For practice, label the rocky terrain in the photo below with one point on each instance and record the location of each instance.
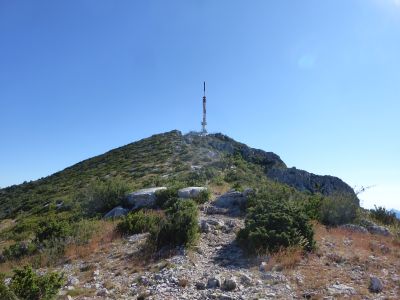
(350, 263)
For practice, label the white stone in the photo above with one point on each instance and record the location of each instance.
(116, 212)
(190, 192)
(143, 198)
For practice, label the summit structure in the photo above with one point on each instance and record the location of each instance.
(204, 122)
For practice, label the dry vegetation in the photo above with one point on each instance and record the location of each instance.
(348, 258)
(100, 240)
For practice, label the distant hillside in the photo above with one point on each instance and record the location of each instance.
(162, 159)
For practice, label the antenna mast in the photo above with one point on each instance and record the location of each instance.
(204, 123)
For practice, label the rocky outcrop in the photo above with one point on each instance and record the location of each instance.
(222, 143)
(143, 198)
(233, 201)
(354, 228)
(116, 212)
(190, 192)
(305, 181)
(374, 228)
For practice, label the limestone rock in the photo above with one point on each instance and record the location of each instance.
(263, 266)
(305, 181)
(143, 198)
(375, 229)
(116, 212)
(200, 285)
(375, 285)
(233, 200)
(72, 280)
(229, 284)
(204, 226)
(190, 192)
(246, 280)
(213, 282)
(341, 289)
(354, 228)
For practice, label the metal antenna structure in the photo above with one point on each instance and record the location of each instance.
(204, 123)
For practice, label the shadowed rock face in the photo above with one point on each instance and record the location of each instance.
(274, 167)
(226, 144)
(305, 181)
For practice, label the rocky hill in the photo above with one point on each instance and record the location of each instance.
(163, 158)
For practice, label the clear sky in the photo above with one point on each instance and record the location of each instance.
(317, 82)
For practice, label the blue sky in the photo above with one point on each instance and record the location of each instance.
(317, 82)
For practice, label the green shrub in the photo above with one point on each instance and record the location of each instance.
(83, 230)
(384, 216)
(101, 197)
(167, 198)
(140, 222)
(181, 226)
(272, 223)
(5, 293)
(52, 229)
(18, 250)
(338, 209)
(311, 206)
(202, 197)
(26, 284)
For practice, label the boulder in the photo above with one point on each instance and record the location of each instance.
(341, 289)
(375, 285)
(204, 226)
(116, 212)
(200, 285)
(213, 282)
(246, 280)
(375, 229)
(233, 200)
(190, 192)
(229, 284)
(354, 228)
(143, 198)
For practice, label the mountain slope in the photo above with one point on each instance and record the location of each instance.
(160, 160)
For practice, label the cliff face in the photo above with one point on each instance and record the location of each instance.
(305, 181)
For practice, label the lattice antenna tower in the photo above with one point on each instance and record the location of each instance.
(204, 123)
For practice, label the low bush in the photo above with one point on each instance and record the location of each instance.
(273, 223)
(382, 215)
(100, 197)
(338, 209)
(181, 226)
(5, 292)
(167, 198)
(177, 227)
(52, 229)
(19, 250)
(140, 222)
(311, 206)
(202, 197)
(27, 285)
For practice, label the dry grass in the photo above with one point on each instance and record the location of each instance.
(100, 240)
(340, 252)
(285, 259)
(218, 190)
